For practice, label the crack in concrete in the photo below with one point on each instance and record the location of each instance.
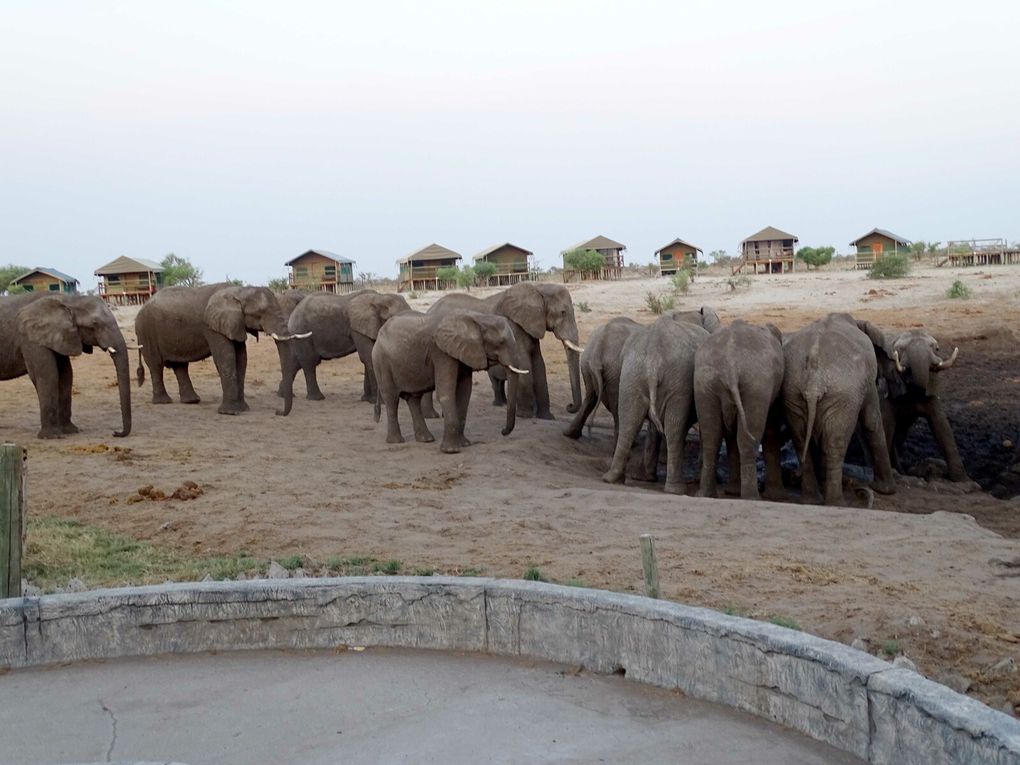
(113, 737)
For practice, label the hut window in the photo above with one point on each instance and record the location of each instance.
(113, 278)
(331, 272)
(54, 288)
(300, 270)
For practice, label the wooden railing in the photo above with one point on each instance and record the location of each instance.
(127, 287)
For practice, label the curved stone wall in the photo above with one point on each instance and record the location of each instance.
(823, 689)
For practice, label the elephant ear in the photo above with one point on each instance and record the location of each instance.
(460, 336)
(224, 313)
(710, 319)
(50, 323)
(891, 382)
(363, 314)
(525, 306)
(877, 337)
(776, 332)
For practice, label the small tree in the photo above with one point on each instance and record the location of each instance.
(585, 262)
(462, 277)
(815, 257)
(484, 270)
(281, 284)
(9, 273)
(180, 271)
(681, 281)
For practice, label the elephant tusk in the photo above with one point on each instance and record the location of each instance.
(302, 336)
(896, 358)
(518, 371)
(946, 363)
(573, 346)
(111, 351)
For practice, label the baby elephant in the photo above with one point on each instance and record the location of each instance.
(416, 353)
(738, 375)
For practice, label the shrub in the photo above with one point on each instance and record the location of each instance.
(785, 621)
(279, 285)
(582, 306)
(890, 266)
(657, 304)
(180, 271)
(462, 277)
(736, 282)
(532, 574)
(681, 281)
(584, 261)
(483, 270)
(958, 290)
(816, 256)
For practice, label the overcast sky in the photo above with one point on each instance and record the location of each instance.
(240, 134)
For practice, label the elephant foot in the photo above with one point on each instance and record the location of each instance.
(424, 438)
(773, 494)
(751, 493)
(366, 397)
(646, 477)
(316, 396)
(231, 409)
(245, 407)
(958, 476)
(731, 490)
(449, 449)
(193, 399)
(613, 476)
(394, 439)
(572, 433)
(677, 487)
(544, 416)
(884, 487)
(499, 402)
(707, 492)
(162, 398)
(69, 428)
(50, 433)
(464, 441)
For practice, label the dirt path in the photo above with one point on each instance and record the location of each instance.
(917, 573)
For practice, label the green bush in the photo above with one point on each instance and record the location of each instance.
(483, 270)
(890, 266)
(582, 306)
(959, 290)
(657, 304)
(279, 285)
(584, 261)
(816, 256)
(736, 282)
(463, 277)
(532, 574)
(7, 274)
(681, 281)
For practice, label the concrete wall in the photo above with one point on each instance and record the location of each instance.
(823, 689)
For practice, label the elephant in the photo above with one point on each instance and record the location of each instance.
(657, 383)
(738, 374)
(829, 389)
(602, 360)
(416, 352)
(340, 325)
(532, 310)
(39, 333)
(289, 300)
(908, 380)
(179, 325)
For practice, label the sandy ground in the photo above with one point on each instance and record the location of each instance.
(936, 571)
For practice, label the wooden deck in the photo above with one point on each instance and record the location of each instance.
(980, 252)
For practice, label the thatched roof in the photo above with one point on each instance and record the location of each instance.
(323, 253)
(485, 253)
(770, 234)
(598, 243)
(126, 265)
(432, 252)
(59, 275)
(882, 232)
(678, 241)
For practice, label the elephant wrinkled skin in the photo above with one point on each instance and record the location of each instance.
(416, 353)
(180, 325)
(40, 332)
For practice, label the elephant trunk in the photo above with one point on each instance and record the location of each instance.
(574, 369)
(122, 364)
(513, 380)
(288, 371)
(919, 361)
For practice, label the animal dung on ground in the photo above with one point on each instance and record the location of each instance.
(187, 490)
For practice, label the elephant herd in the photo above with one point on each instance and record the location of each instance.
(750, 387)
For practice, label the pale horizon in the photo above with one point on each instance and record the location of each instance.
(238, 135)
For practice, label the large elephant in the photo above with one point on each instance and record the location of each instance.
(532, 309)
(657, 384)
(829, 389)
(339, 325)
(416, 353)
(39, 333)
(290, 299)
(908, 382)
(602, 361)
(180, 325)
(738, 374)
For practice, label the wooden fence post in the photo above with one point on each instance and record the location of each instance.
(12, 518)
(651, 568)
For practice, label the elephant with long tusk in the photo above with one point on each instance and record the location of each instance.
(909, 388)
(180, 325)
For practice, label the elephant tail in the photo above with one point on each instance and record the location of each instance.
(813, 391)
(741, 416)
(140, 372)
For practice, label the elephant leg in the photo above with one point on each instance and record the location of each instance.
(588, 405)
(65, 385)
(428, 407)
(871, 423)
(631, 420)
(224, 356)
(540, 384)
(422, 434)
(184, 386)
(943, 432)
(833, 447)
(310, 368)
(771, 447)
(464, 386)
(677, 421)
(159, 394)
(711, 438)
(241, 360)
(448, 389)
(45, 376)
(368, 382)
(650, 456)
(393, 434)
(809, 491)
(747, 445)
(498, 390)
